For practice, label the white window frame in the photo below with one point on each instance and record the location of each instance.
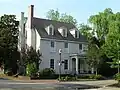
(48, 29)
(74, 32)
(53, 64)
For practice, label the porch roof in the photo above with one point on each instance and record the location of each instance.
(78, 55)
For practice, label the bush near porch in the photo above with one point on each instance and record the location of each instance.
(79, 78)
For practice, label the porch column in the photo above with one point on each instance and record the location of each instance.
(76, 65)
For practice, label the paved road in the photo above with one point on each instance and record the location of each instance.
(19, 85)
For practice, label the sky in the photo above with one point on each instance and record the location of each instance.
(79, 9)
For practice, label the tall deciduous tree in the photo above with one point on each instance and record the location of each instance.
(96, 37)
(33, 57)
(8, 40)
(112, 43)
(62, 17)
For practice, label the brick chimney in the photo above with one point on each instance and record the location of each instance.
(30, 15)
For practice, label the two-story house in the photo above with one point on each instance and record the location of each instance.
(49, 37)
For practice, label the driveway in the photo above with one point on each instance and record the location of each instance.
(42, 85)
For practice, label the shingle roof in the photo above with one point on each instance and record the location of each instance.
(40, 25)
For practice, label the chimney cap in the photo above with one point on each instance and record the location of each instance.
(22, 12)
(31, 5)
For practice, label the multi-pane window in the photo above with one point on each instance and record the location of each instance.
(52, 44)
(80, 46)
(65, 64)
(66, 45)
(52, 63)
(50, 30)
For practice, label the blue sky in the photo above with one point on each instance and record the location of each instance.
(80, 9)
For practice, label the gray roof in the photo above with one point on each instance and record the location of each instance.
(40, 25)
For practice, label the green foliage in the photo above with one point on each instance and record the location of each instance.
(117, 77)
(85, 30)
(57, 16)
(8, 40)
(46, 73)
(31, 69)
(68, 78)
(96, 77)
(32, 57)
(112, 42)
(100, 23)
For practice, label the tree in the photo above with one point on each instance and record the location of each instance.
(100, 23)
(62, 17)
(8, 40)
(93, 56)
(33, 57)
(112, 43)
(86, 30)
(96, 35)
(32, 61)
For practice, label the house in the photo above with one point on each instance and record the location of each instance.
(56, 41)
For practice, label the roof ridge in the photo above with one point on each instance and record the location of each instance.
(53, 21)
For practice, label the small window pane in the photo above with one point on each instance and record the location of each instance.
(65, 64)
(52, 43)
(66, 45)
(52, 63)
(80, 46)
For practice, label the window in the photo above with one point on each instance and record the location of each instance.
(52, 44)
(52, 63)
(76, 34)
(64, 33)
(85, 47)
(66, 45)
(50, 31)
(80, 46)
(65, 64)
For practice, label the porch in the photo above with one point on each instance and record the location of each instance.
(79, 64)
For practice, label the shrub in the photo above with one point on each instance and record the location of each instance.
(83, 77)
(31, 69)
(46, 73)
(117, 77)
(97, 77)
(68, 78)
(9, 72)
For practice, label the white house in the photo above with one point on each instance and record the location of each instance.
(49, 37)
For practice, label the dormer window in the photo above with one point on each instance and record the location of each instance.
(50, 30)
(63, 31)
(75, 33)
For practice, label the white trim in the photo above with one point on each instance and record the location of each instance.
(61, 30)
(48, 29)
(50, 63)
(73, 32)
(63, 41)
